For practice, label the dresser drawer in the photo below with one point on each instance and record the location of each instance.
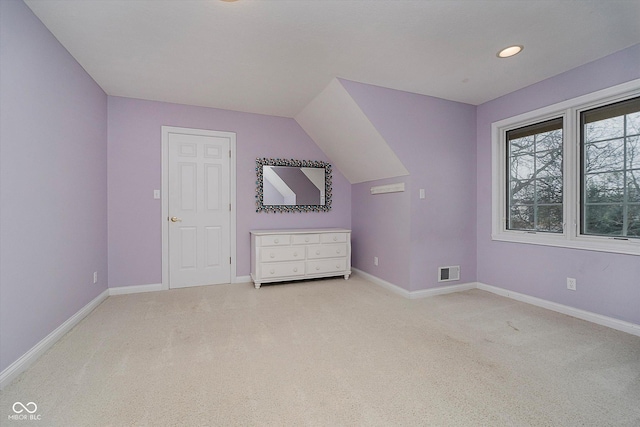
(276, 240)
(326, 266)
(288, 253)
(333, 238)
(327, 251)
(305, 239)
(282, 269)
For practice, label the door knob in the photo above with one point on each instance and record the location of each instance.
(175, 219)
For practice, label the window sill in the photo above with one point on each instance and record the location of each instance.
(598, 244)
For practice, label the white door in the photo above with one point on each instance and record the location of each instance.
(199, 208)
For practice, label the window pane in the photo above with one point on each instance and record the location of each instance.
(633, 124)
(604, 220)
(549, 140)
(549, 163)
(549, 190)
(523, 192)
(550, 218)
(605, 188)
(522, 167)
(521, 218)
(634, 221)
(633, 152)
(521, 145)
(605, 156)
(604, 129)
(633, 186)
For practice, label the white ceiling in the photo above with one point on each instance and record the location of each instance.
(274, 56)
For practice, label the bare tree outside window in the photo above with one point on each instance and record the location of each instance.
(610, 175)
(535, 182)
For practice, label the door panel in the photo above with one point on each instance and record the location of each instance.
(199, 199)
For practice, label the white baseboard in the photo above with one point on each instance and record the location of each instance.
(135, 289)
(423, 293)
(154, 287)
(610, 322)
(20, 365)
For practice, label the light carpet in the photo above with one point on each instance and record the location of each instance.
(330, 353)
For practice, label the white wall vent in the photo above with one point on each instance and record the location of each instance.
(449, 274)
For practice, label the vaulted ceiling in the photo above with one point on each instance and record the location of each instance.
(275, 56)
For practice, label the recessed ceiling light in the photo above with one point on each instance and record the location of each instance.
(510, 51)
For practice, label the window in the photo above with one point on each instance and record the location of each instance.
(610, 177)
(535, 177)
(569, 174)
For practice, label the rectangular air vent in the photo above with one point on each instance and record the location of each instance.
(449, 274)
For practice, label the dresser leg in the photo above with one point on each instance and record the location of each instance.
(257, 285)
(346, 277)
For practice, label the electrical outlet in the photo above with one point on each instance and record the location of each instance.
(375, 260)
(95, 277)
(571, 283)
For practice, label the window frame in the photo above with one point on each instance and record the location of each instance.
(571, 236)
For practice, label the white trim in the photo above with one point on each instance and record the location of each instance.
(135, 289)
(423, 293)
(22, 363)
(569, 111)
(165, 195)
(242, 279)
(610, 322)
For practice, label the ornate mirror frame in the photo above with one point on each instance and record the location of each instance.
(261, 207)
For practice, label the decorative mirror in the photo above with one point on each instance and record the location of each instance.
(293, 185)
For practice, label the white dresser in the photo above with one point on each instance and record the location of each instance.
(279, 255)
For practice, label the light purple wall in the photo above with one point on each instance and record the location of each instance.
(608, 284)
(53, 180)
(435, 140)
(134, 153)
(381, 227)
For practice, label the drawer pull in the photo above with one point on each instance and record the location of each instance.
(317, 252)
(335, 238)
(317, 267)
(272, 272)
(272, 255)
(337, 267)
(295, 254)
(337, 251)
(306, 239)
(295, 269)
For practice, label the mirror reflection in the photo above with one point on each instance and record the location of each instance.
(293, 186)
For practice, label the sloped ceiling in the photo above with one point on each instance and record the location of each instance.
(339, 127)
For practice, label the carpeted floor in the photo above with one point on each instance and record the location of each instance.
(330, 353)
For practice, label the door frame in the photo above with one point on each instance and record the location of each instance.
(166, 130)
